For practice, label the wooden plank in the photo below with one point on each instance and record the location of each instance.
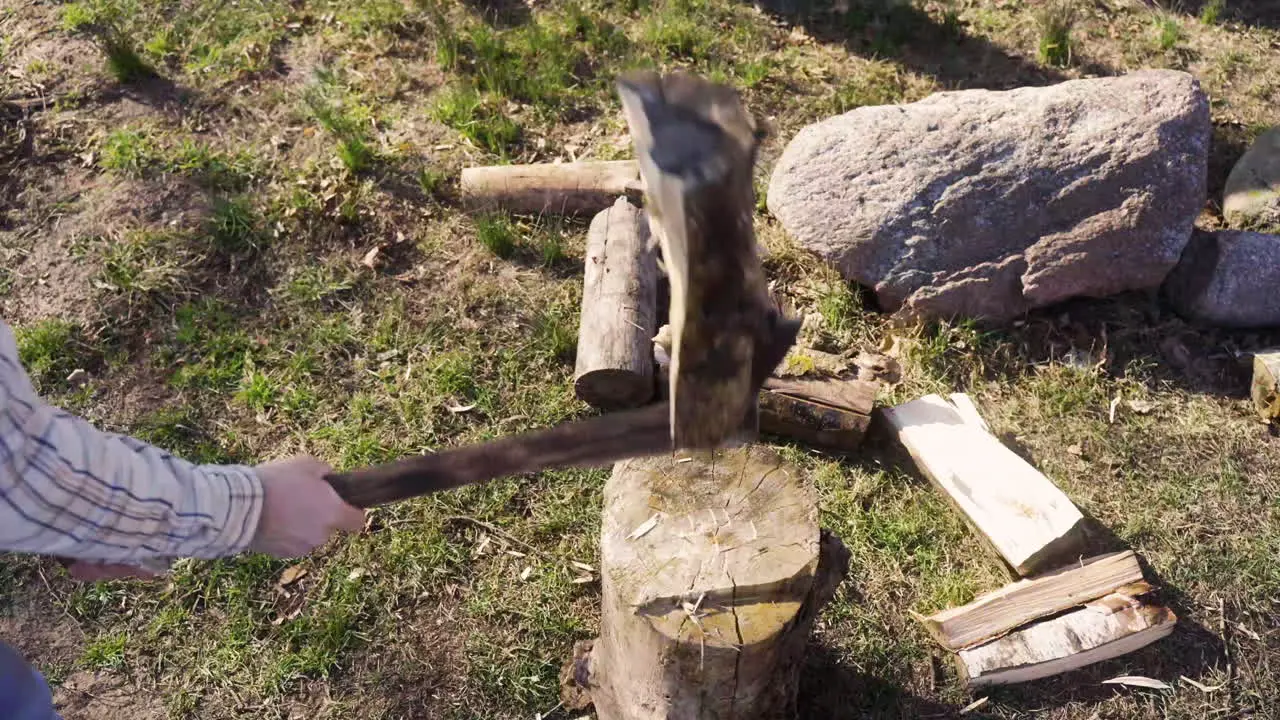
(1003, 610)
(1024, 517)
(1115, 626)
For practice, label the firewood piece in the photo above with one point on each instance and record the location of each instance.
(1024, 517)
(999, 612)
(712, 569)
(1116, 625)
(829, 414)
(556, 188)
(1265, 390)
(696, 146)
(614, 366)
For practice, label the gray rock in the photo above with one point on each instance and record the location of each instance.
(1229, 279)
(982, 203)
(1251, 200)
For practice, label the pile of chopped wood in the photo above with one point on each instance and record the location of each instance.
(1069, 610)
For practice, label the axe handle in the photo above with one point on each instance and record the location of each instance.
(592, 442)
(582, 443)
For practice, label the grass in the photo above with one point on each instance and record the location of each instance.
(1054, 20)
(249, 329)
(1211, 11)
(1168, 33)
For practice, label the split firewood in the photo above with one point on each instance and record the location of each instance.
(557, 188)
(712, 570)
(1110, 627)
(1023, 516)
(999, 612)
(1265, 391)
(614, 366)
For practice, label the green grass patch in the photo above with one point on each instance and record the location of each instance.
(1054, 21)
(50, 350)
(1168, 32)
(126, 151)
(498, 234)
(1211, 11)
(233, 225)
(477, 118)
(143, 263)
(345, 119)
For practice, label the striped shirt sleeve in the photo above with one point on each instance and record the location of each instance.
(71, 490)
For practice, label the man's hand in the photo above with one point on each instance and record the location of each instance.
(300, 510)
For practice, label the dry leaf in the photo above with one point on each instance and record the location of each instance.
(524, 574)
(292, 575)
(644, 528)
(1138, 681)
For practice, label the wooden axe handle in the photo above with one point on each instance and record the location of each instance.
(592, 442)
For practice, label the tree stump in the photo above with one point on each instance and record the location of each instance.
(614, 367)
(713, 568)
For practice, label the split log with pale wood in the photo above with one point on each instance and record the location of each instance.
(1106, 628)
(1266, 384)
(615, 367)
(1024, 517)
(713, 568)
(556, 188)
(997, 613)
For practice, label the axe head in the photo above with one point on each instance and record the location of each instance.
(696, 148)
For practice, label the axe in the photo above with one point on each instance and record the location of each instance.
(696, 148)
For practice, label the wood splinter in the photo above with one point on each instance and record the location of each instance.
(555, 188)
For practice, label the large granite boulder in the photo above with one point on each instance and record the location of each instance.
(986, 204)
(1251, 199)
(1228, 279)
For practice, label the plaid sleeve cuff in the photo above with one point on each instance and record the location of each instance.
(232, 495)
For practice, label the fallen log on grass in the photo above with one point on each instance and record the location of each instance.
(1028, 521)
(614, 367)
(556, 188)
(712, 570)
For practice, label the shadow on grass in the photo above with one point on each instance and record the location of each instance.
(1258, 13)
(902, 32)
(831, 690)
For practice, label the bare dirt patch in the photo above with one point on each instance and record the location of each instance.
(105, 696)
(51, 272)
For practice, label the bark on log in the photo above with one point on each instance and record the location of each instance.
(829, 414)
(713, 568)
(1265, 390)
(614, 367)
(561, 188)
(1029, 522)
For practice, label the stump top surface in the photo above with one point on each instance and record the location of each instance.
(737, 528)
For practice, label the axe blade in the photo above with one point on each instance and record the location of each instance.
(696, 148)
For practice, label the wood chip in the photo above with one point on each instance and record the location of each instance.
(456, 409)
(1142, 407)
(644, 528)
(975, 705)
(582, 566)
(1111, 412)
(357, 573)
(1138, 681)
(524, 574)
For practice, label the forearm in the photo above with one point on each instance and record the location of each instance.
(69, 489)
